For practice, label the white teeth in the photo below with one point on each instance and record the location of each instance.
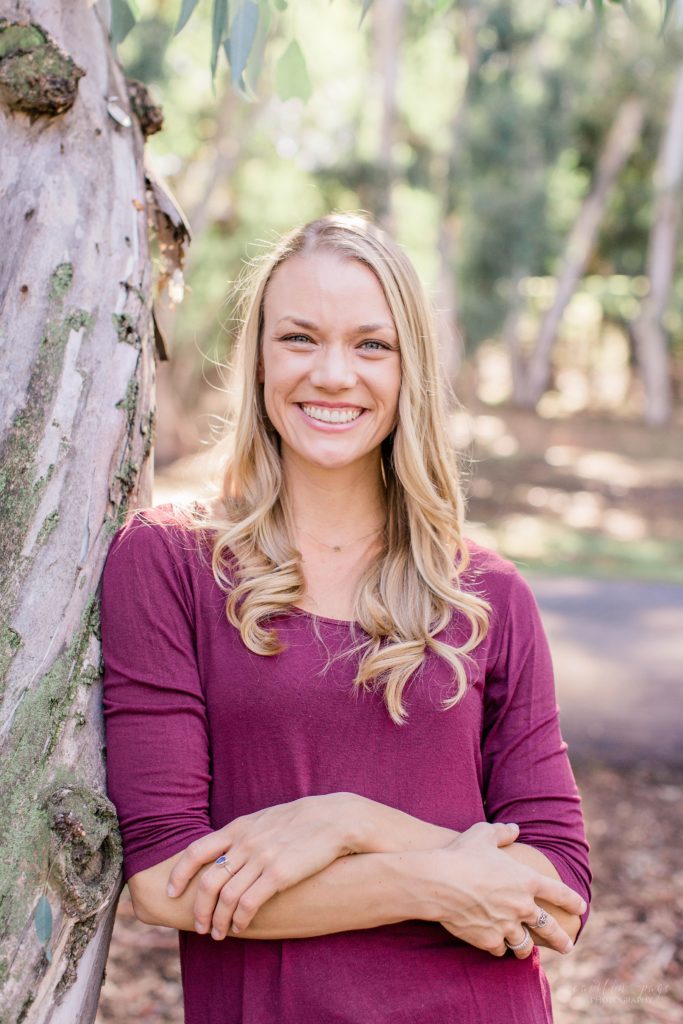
(317, 412)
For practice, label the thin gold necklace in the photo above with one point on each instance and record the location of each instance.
(340, 547)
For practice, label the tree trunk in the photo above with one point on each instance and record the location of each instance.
(389, 16)
(76, 428)
(451, 342)
(620, 143)
(648, 331)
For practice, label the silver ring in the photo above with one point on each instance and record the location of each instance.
(542, 920)
(225, 863)
(519, 945)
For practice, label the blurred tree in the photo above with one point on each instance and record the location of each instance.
(648, 329)
(620, 142)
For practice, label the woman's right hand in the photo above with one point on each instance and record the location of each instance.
(482, 896)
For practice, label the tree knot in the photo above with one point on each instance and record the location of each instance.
(36, 76)
(85, 848)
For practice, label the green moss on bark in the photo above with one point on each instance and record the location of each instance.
(36, 75)
(49, 524)
(126, 330)
(61, 280)
(20, 493)
(27, 823)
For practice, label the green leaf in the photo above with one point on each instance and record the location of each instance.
(367, 4)
(669, 8)
(242, 35)
(42, 920)
(122, 20)
(291, 74)
(280, 5)
(219, 25)
(186, 12)
(255, 62)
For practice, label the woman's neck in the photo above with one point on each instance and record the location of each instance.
(338, 505)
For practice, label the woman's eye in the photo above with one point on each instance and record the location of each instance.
(296, 337)
(378, 346)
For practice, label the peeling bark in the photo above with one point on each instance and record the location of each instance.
(76, 431)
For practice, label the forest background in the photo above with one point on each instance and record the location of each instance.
(530, 158)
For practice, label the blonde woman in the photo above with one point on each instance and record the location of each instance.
(332, 736)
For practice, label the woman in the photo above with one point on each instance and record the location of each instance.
(331, 721)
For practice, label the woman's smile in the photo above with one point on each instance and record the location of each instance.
(330, 416)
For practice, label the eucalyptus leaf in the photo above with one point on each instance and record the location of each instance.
(186, 12)
(291, 74)
(122, 20)
(42, 919)
(219, 25)
(669, 7)
(242, 35)
(367, 4)
(255, 62)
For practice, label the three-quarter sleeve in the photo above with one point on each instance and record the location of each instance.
(527, 777)
(157, 745)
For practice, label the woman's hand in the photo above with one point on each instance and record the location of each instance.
(267, 851)
(483, 897)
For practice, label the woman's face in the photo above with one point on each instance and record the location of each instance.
(330, 362)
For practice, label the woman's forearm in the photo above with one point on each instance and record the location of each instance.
(385, 828)
(356, 891)
(363, 890)
(368, 827)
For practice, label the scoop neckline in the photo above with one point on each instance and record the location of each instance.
(322, 618)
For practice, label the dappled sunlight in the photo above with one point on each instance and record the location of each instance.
(486, 431)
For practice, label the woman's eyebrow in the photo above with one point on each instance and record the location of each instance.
(361, 329)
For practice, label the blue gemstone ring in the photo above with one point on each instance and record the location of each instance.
(224, 862)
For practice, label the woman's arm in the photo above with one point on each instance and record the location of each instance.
(354, 891)
(450, 884)
(273, 850)
(527, 776)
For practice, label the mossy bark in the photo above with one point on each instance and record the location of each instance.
(76, 430)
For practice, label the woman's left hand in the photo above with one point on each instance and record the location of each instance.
(267, 851)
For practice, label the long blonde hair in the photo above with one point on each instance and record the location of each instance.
(410, 592)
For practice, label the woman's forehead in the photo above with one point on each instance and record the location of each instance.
(324, 283)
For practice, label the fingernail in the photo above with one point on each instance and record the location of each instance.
(235, 929)
(584, 907)
(170, 891)
(199, 927)
(568, 948)
(513, 825)
(215, 934)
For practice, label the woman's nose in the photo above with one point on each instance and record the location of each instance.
(333, 368)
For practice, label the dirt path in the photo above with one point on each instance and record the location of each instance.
(618, 662)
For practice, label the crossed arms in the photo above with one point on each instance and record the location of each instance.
(340, 862)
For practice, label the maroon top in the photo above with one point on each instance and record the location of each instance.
(200, 730)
